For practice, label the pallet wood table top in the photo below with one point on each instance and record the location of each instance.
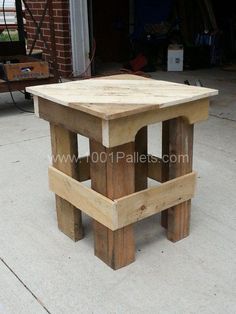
(114, 98)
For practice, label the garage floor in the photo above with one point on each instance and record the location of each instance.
(42, 271)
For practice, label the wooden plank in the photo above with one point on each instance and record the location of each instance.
(113, 98)
(126, 210)
(146, 203)
(140, 146)
(113, 178)
(165, 165)
(64, 154)
(90, 202)
(70, 119)
(180, 143)
(155, 168)
(123, 130)
(17, 71)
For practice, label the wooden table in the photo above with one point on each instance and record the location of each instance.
(113, 112)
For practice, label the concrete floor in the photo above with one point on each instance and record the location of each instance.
(41, 270)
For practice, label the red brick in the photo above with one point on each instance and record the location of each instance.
(62, 31)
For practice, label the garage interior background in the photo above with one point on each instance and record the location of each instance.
(141, 30)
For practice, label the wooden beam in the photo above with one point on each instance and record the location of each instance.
(71, 119)
(123, 130)
(120, 131)
(64, 154)
(113, 177)
(165, 166)
(128, 209)
(146, 203)
(90, 202)
(179, 142)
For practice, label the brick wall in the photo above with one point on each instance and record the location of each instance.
(62, 32)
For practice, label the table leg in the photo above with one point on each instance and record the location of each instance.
(64, 154)
(141, 168)
(178, 141)
(165, 166)
(114, 178)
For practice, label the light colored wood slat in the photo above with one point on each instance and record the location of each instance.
(146, 203)
(90, 202)
(122, 77)
(126, 210)
(114, 98)
(117, 132)
(73, 120)
(123, 130)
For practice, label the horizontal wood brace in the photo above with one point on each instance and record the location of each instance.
(123, 130)
(69, 118)
(89, 201)
(126, 210)
(112, 133)
(143, 204)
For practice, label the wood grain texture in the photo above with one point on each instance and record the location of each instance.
(39, 70)
(151, 201)
(165, 165)
(70, 119)
(116, 132)
(89, 201)
(126, 210)
(123, 130)
(115, 98)
(179, 141)
(64, 144)
(114, 179)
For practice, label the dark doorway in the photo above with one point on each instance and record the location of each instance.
(110, 23)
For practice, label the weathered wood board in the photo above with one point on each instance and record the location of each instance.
(111, 98)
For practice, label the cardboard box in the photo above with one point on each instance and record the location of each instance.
(175, 58)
